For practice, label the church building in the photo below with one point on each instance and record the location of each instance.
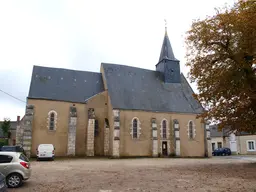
(122, 111)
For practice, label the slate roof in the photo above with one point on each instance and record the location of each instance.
(141, 89)
(64, 84)
(225, 132)
(166, 51)
(129, 88)
(215, 132)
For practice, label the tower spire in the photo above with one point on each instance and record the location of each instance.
(166, 51)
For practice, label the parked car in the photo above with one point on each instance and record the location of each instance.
(3, 186)
(15, 148)
(15, 166)
(221, 151)
(45, 151)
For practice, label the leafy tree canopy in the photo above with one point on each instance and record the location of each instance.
(221, 54)
(5, 126)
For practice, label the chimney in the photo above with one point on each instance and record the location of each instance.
(18, 120)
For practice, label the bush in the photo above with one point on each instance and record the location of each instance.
(3, 142)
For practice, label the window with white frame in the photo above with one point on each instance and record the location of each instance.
(191, 130)
(135, 128)
(52, 120)
(251, 145)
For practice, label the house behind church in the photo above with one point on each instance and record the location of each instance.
(121, 111)
(242, 143)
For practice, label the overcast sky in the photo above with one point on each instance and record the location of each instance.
(80, 34)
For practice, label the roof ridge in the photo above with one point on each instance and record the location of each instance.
(38, 66)
(122, 65)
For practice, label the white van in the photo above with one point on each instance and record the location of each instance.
(45, 151)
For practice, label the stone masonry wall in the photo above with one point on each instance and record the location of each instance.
(24, 131)
(90, 132)
(72, 132)
(90, 137)
(19, 134)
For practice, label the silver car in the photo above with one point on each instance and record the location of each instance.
(15, 166)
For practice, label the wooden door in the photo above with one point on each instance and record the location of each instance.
(164, 148)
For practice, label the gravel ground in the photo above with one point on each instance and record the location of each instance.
(156, 175)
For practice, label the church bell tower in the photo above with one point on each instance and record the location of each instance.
(168, 64)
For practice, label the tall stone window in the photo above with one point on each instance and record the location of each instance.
(191, 130)
(135, 128)
(164, 131)
(52, 117)
(52, 120)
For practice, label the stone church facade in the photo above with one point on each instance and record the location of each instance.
(121, 111)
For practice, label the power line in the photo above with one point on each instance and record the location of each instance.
(12, 96)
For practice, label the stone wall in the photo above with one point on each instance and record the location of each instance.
(188, 148)
(71, 151)
(19, 134)
(24, 130)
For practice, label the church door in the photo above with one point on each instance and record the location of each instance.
(164, 148)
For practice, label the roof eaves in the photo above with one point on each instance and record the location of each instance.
(154, 111)
(41, 98)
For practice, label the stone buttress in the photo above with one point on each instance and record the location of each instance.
(24, 131)
(176, 137)
(90, 133)
(154, 138)
(71, 150)
(116, 139)
(208, 140)
(106, 137)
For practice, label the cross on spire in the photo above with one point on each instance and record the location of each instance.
(165, 21)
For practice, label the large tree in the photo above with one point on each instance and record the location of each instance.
(221, 54)
(5, 126)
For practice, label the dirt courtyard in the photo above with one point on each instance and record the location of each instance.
(156, 175)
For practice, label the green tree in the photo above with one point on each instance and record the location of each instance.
(221, 53)
(5, 126)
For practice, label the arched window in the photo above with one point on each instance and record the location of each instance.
(164, 131)
(52, 119)
(190, 130)
(135, 128)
